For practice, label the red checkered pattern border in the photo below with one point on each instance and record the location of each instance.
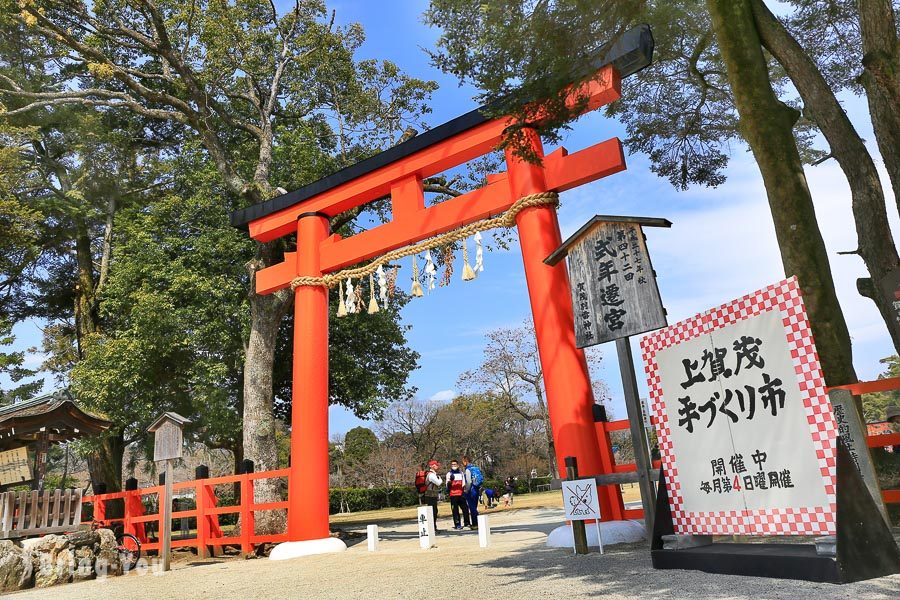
(786, 298)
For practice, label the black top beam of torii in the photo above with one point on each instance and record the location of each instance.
(632, 52)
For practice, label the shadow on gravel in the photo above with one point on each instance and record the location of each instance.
(626, 570)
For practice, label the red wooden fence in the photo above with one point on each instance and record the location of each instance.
(208, 533)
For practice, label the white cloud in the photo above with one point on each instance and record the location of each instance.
(444, 396)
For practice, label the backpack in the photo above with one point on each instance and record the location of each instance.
(421, 481)
(475, 474)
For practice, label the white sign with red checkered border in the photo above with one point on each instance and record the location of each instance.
(746, 433)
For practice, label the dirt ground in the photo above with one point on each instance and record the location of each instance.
(517, 565)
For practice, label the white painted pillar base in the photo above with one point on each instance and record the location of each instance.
(613, 532)
(286, 550)
(372, 535)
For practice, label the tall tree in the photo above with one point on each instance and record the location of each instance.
(820, 104)
(682, 111)
(235, 75)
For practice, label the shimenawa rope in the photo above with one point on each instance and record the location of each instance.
(507, 219)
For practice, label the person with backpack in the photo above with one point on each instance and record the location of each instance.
(456, 483)
(474, 479)
(428, 485)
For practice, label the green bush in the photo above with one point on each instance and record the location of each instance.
(359, 499)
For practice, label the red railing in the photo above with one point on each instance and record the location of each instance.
(206, 512)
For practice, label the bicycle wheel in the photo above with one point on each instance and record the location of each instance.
(129, 551)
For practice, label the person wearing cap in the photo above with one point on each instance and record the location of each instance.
(430, 497)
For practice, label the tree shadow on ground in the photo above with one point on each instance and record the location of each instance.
(625, 570)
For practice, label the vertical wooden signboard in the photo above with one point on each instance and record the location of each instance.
(168, 445)
(615, 296)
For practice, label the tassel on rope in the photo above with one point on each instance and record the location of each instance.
(448, 265)
(479, 253)
(382, 286)
(373, 306)
(416, 289)
(430, 270)
(468, 274)
(360, 301)
(392, 281)
(342, 309)
(350, 298)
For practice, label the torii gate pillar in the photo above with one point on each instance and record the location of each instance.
(308, 519)
(567, 381)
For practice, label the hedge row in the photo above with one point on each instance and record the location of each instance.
(359, 499)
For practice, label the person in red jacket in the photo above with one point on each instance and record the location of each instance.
(456, 483)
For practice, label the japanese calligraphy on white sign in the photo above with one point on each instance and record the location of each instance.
(746, 432)
(580, 500)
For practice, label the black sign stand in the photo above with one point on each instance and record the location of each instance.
(865, 546)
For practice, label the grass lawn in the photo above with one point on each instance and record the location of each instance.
(630, 493)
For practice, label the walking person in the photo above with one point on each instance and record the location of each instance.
(456, 483)
(432, 489)
(510, 489)
(474, 481)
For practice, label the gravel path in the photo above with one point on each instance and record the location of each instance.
(517, 565)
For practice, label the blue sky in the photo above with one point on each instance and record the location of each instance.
(721, 246)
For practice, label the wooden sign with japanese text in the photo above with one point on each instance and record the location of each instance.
(745, 428)
(614, 292)
(14, 467)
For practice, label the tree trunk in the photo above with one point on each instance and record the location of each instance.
(875, 242)
(104, 463)
(105, 467)
(545, 417)
(767, 126)
(266, 313)
(881, 80)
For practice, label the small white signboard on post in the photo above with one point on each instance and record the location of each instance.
(425, 525)
(581, 503)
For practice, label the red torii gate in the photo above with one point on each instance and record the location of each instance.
(399, 172)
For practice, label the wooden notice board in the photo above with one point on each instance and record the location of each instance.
(14, 467)
(614, 291)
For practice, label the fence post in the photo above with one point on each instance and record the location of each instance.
(248, 523)
(99, 505)
(578, 533)
(201, 473)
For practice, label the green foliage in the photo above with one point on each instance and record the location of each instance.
(11, 366)
(679, 111)
(358, 499)
(875, 405)
(175, 309)
(359, 443)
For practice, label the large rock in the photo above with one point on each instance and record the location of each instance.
(107, 563)
(84, 563)
(49, 544)
(55, 569)
(15, 567)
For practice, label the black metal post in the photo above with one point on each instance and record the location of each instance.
(578, 531)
